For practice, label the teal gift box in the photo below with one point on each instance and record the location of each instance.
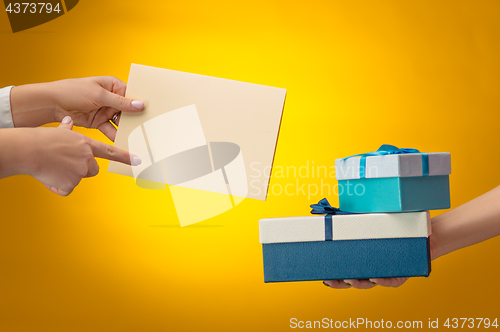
(394, 180)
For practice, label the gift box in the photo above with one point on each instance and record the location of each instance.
(394, 180)
(354, 246)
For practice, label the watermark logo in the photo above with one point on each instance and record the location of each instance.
(308, 180)
(26, 15)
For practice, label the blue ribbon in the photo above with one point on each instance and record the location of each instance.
(387, 149)
(323, 207)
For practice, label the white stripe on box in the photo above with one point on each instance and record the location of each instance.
(394, 165)
(292, 229)
(380, 226)
(346, 227)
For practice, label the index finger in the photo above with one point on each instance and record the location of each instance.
(106, 151)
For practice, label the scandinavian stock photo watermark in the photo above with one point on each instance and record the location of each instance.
(309, 180)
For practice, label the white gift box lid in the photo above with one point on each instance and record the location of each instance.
(393, 165)
(346, 227)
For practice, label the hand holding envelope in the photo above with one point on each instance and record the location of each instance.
(58, 157)
(200, 136)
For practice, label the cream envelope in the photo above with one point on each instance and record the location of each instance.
(200, 132)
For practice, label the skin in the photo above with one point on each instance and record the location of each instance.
(466, 225)
(59, 157)
(91, 102)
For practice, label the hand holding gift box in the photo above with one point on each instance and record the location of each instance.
(354, 242)
(339, 245)
(301, 248)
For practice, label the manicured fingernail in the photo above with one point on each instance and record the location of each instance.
(138, 104)
(66, 120)
(347, 283)
(136, 161)
(324, 283)
(372, 281)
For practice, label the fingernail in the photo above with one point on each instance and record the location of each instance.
(347, 283)
(324, 283)
(136, 161)
(66, 120)
(138, 104)
(372, 281)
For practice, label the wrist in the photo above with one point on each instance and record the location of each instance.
(16, 152)
(435, 246)
(33, 105)
(436, 238)
(442, 242)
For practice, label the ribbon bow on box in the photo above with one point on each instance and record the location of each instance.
(323, 207)
(387, 149)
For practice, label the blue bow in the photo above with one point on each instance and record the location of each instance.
(387, 149)
(323, 207)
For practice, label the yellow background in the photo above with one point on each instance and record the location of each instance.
(111, 257)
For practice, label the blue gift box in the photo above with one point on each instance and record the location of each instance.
(346, 246)
(394, 180)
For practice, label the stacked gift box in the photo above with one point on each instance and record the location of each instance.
(380, 230)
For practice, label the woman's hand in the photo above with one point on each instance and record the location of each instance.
(91, 102)
(60, 158)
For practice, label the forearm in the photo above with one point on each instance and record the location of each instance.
(32, 105)
(468, 224)
(14, 151)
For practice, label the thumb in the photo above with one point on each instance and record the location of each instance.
(66, 123)
(120, 103)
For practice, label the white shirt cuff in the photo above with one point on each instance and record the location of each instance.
(5, 112)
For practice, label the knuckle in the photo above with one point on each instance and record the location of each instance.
(62, 193)
(84, 147)
(68, 188)
(110, 152)
(66, 192)
(122, 101)
(83, 140)
(83, 172)
(88, 156)
(80, 172)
